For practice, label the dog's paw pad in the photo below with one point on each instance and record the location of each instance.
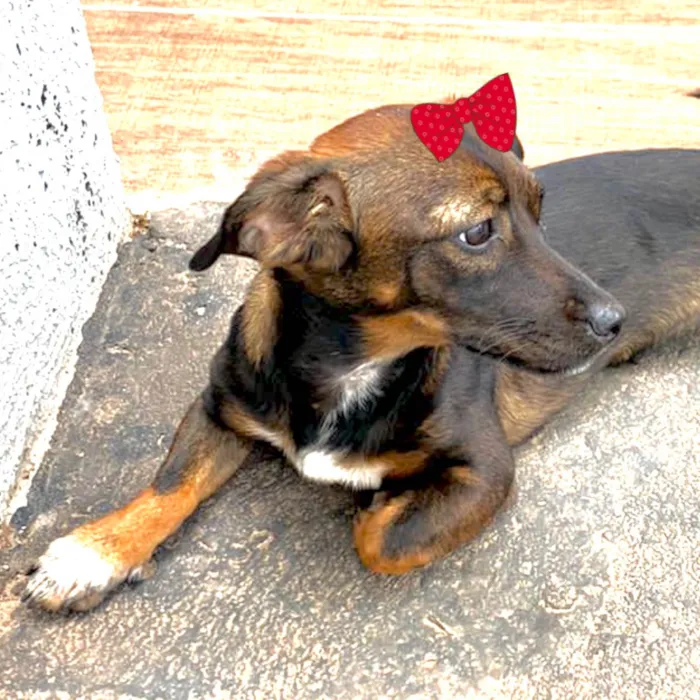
(72, 575)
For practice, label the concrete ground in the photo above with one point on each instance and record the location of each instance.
(588, 587)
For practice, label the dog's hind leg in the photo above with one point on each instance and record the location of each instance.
(672, 309)
(79, 569)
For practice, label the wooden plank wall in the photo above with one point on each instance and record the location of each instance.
(198, 92)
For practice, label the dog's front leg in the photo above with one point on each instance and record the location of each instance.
(79, 569)
(409, 529)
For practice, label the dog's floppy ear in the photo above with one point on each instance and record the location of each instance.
(517, 148)
(294, 211)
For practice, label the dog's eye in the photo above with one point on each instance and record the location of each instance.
(478, 235)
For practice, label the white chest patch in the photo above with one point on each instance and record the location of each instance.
(319, 462)
(324, 466)
(358, 386)
(352, 391)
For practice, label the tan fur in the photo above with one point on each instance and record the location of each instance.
(393, 335)
(403, 464)
(369, 531)
(238, 420)
(525, 402)
(681, 314)
(260, 313)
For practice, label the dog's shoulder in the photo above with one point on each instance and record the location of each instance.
(292, 360)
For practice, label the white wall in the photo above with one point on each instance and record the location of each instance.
(62, 214)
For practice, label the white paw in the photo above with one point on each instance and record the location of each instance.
(72, 575)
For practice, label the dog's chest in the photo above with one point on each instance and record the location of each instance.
(348, 397)
(340, 420)
(353, 390)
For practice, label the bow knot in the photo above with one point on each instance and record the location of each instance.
(491, 109)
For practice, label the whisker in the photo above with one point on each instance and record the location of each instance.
(499, 332)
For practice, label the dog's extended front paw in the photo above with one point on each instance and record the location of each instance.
(77, 574)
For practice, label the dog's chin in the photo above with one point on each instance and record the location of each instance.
(575, 368)
(555, 366)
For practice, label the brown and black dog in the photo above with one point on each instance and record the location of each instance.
(410, 323)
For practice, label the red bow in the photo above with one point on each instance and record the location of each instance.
(491, 108)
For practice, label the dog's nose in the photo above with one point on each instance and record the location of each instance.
(605, 320)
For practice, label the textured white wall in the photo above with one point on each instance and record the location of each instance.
(62, 214)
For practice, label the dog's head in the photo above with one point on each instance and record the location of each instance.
(370, 221)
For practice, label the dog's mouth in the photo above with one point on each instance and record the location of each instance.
(592, 363)
(583, 366)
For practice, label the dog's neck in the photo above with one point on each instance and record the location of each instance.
(318, 374)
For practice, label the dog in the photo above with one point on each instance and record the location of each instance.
(410, 323)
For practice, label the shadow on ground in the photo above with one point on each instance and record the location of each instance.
(587, 587)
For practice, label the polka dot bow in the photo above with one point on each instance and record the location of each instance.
(491, 109)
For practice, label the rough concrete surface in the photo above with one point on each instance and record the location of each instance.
(588, 587)
(62, 214)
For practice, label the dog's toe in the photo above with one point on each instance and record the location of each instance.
(72, 575)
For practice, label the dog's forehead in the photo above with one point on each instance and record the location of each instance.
(380, 146)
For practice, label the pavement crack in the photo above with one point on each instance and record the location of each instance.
(433, 623)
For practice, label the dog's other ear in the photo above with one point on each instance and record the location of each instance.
(294, 212)
(517, 148)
